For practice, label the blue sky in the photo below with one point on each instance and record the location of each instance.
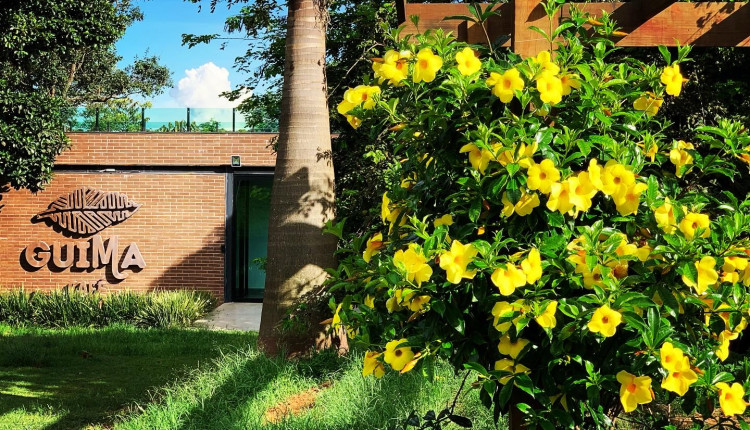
(209, 69)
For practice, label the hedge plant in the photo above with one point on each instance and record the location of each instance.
(540, 229)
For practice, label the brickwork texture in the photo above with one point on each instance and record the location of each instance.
(179, 227)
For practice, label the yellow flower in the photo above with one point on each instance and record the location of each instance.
(393, 304)
(505, 85)
(523, 157)
(479, 158)
(634, 390)
(547, 318)
(734, 263)
(446, 220)
(651, 151)
(648, 103)
(468, 63)
(707, 275)
(616, 176)
(670, 356)
(413, 264)
(559, 197)
(508, 279)
(416, 303)
(363, 95)
(680, 377)
(591, 277)
(582, 190)
(523, 207)
(694, 221)
(455, 261)
(544, 58)
(532, 266)
(427, 66)
(680, 157)
(394, 68)
(665, 218)
(369, 301)
(373, 246)
(507, 347)
(550, 88)
(595, 174)
(605, 321)
(353, 121)
(542, 176)
(724, 338)
(672, 78)
(511, 367)
(627, 199)
(506, 310)
(372, 366)
(731, 399)
(397, 356)
(569, 81)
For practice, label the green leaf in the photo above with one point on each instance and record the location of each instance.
(475, 210)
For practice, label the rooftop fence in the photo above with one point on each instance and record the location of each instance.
(167, 120)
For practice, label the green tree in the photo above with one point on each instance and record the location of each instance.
(56, 54)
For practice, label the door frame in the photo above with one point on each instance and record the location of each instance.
(229, 225)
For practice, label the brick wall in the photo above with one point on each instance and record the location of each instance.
(179, 227)
(165, 149)
(179, 230)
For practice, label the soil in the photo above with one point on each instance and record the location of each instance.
(295, 404)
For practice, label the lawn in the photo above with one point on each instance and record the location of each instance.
(126, 378)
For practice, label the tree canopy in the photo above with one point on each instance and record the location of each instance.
(56, 54)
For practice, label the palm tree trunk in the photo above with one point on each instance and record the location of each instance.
(302, 198)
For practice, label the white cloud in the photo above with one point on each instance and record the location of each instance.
(200, 88)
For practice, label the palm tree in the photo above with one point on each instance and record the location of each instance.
(302, 198)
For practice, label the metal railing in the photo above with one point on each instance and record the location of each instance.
(167, 120)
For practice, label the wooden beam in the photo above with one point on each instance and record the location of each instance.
(431, 17)
(656, 23)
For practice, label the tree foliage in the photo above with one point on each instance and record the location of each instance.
(541, 228)
(55, 54)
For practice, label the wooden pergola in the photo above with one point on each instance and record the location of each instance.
(647, 22)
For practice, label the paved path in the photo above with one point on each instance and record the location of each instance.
(233, 316)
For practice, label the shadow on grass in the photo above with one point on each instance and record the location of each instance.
(244, 386)
(85, 377)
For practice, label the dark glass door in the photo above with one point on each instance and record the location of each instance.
(252, 199)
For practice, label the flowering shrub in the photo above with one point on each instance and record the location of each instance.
(539, 229)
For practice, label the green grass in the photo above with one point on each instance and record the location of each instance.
(132, 378)
(81, 377)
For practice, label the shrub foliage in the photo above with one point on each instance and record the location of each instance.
(540, 228)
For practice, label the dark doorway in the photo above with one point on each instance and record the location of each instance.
(251, 204)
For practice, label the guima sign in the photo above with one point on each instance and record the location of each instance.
(85, 212)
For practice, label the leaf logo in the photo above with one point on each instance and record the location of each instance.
(85, 211)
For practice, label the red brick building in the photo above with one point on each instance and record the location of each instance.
(144, 211)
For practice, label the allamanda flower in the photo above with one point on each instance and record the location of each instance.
(605, 321)
(648, 103)
(542, 176)
(508, 279)
(544, 59)
(670, 356)
(634, 390)
(616, 176)
(522, 155)
(707, 275)
(532, 266)
(524, 206)
(480, 158)
(672, 78)
(372, 365)
(397, 356)
(374, 244)
(413, 264)
(468, 63)
(455, 262)
(550, 88)
(582, 191)
(505, 85)
(394, 67)
(547, 319)
(427, 66)
(507, 347)
(559, 197)
(665, 218)
(446, 220)
(507, 310)
(680, 377)
(511, 367)
(627, 199)
(694, 221)
(679, 156)
(731, 399)
(569, 81)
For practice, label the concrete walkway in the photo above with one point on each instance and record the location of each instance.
(233, 316)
